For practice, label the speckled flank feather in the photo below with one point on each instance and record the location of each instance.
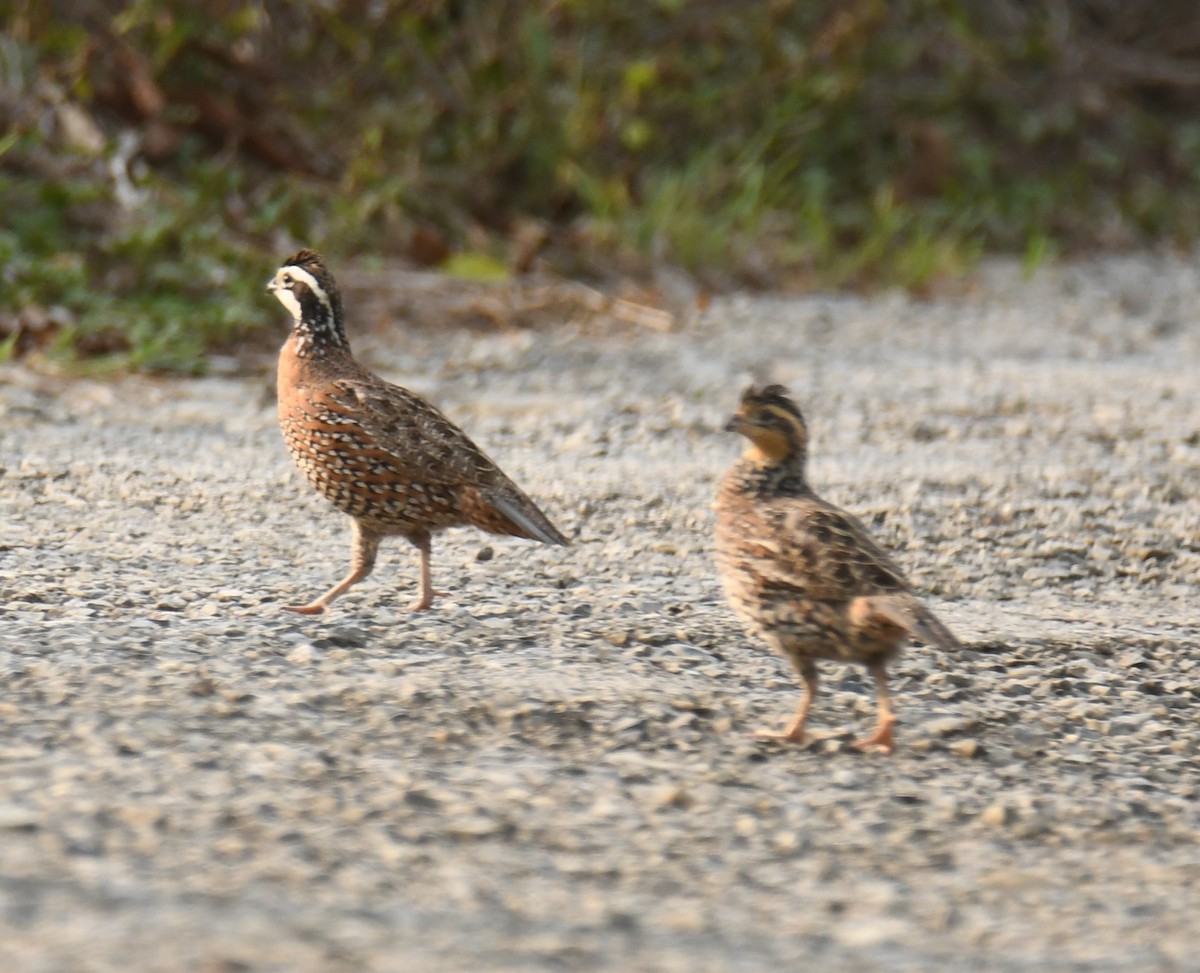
(802, 574)
(378, 452)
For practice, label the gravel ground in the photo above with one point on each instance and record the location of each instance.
(553, 770)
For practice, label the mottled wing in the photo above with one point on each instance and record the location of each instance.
(828, 555)
(419, 444)
(414, 439)
(823, 552)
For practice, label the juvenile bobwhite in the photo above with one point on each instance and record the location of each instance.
(378, 452)
(804, 575)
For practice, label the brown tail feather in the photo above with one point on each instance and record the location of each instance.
(929, 629)
(530, 521)
(904, 614)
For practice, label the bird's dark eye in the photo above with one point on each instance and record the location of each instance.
(287, 279)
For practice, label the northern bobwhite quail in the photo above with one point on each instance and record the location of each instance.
(378, 452)
(804, 575)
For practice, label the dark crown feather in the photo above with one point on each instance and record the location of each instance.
(775, 395)
(308, 259)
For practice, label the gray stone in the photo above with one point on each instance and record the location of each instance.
(554, 768)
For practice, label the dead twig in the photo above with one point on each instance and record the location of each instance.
(573, 292)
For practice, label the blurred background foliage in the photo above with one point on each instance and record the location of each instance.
(158, 157)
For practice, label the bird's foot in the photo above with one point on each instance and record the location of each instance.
(425, 602)
(881, 741)
(790, 735)
(314, 608)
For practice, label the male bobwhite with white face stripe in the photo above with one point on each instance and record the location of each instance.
(804, 575)
(378, 452)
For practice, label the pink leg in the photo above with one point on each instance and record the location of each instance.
(882, 739)
(795, 729)
(363, 546)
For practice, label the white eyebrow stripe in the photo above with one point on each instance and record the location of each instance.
(303, 275)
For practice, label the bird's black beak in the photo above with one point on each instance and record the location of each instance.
(735, 424)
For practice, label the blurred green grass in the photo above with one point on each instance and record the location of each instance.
(158, 158)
